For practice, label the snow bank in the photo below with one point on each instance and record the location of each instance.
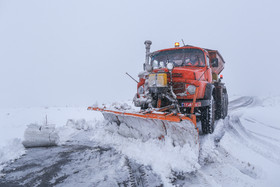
(11, 150)
(126, 106)
(139, 142)
(162, 156)
(14, 121)
(73, 127)
(79, 124)
(243, 150)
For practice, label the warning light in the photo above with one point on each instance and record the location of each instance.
(221, 76)
(177, 44)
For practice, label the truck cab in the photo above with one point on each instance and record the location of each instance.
(178, 76)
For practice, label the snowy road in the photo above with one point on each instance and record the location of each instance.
(243, 151)
(83, 162)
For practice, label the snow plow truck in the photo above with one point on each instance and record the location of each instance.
(179, 87)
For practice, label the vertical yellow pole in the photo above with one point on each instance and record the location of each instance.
(193, 117)
(194, 100)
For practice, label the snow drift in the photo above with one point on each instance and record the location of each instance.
(243, 151)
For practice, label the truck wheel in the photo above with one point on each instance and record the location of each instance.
(208, 117)
(221, 107)
(225, 105)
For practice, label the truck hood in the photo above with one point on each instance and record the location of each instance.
(190, 73)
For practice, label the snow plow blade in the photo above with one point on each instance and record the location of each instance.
(152, 125)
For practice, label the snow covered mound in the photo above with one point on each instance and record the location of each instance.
(164, 156)
(40, 136)
(12, 150)
(126, 106)
(243, 150)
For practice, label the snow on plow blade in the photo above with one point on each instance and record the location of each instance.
(152, 125)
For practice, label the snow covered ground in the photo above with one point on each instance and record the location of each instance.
(244, 150)
(14, 121)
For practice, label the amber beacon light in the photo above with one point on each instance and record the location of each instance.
(177, 44)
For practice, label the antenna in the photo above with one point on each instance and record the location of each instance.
(131, 77)
(183, 42)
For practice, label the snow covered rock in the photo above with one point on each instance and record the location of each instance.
(40, 136)
(80, 124)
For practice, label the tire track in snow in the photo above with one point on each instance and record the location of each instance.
(241, 102)
(214, 158)
(260, 146)
(267, 137)
(258, 122)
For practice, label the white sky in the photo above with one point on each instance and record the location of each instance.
(63, 52)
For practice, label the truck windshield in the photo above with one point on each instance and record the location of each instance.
(179, 57)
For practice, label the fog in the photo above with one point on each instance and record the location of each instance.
(63, 52)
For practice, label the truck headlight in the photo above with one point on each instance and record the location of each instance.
(170, 66)
(191, 89)
(158, 80)
(152, 82)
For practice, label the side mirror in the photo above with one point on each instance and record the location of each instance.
(214, 62)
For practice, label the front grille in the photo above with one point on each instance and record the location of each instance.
(175, 75)
(179, 87)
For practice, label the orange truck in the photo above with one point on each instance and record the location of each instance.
(184, 80)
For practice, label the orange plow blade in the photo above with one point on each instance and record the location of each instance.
(142, 125)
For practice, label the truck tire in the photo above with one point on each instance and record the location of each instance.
(219, 109)
(208, 117)
(222, 107)
(225, 105)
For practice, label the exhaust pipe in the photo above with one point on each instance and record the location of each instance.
(148, 44)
